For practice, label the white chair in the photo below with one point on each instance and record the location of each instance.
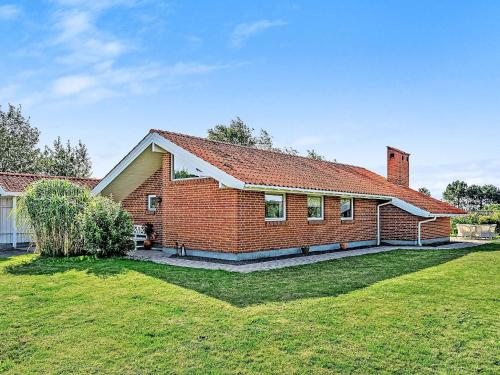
(460, 230)
(138, 235)
(465, 230)
(486, 231)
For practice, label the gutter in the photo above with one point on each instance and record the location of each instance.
(378, 220)
(420, 228)
(282, 189)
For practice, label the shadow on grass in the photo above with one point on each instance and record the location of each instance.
(324, 279)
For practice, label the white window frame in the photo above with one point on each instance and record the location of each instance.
(322, 217)
(284, 208)
(352, 209)
(172, 172)
(150, 197)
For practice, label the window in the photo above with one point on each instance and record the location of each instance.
(314, 208)
(346, 209)
(153, 201)
(182, 169)
(275, 207)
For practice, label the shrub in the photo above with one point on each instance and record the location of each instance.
(50, 209)
(106, 228)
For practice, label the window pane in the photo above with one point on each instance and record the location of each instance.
(274, 206)
(346, 208)
(152, 202)
(183, 169)
(314, 207)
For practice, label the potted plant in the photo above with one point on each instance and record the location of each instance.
(149, 229)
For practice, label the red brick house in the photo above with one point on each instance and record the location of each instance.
(232, 202)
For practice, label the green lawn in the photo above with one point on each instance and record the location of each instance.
(400, 312)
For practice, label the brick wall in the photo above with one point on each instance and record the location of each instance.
(255, 233)
(397, 224)
(137, 204)
(436, 229)
(198, 213)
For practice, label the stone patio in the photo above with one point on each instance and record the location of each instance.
(264, 265)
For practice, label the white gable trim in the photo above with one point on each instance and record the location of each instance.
(157, 142)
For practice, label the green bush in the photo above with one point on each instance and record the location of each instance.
(50, 208)
(106, 228)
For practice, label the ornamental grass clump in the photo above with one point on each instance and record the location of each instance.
(106, 228)
(51, 208)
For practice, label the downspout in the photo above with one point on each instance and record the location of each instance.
(378, 220)
(420, 228)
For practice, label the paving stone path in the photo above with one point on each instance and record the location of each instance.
(162, 258)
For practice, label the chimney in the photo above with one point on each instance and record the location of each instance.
(398, 166)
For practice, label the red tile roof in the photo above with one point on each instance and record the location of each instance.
(18, 182)
(270, 168)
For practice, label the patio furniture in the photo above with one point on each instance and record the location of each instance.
(486, 231)
(465, 230)
(138, 235)
(476, 231)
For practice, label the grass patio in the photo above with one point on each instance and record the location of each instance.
(406, 311)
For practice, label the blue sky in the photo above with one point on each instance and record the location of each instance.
(346, 78)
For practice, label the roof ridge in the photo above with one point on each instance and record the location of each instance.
(20, 174)
(252, 148)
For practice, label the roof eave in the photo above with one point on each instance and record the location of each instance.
(405, 206)
(284, 189)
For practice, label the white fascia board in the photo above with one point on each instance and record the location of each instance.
(4, 193)
(405, 206)
(157, 142)
(448, 215)
(414, 210)
(408, 207)
(282, 189)
(207, 168)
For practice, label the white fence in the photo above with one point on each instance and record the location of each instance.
(10, 234)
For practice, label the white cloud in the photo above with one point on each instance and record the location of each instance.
(182, 68)
(72, 24)
(96, 5)
(106, 81)
(87, 61)
(243, 31)
(9, 12)
(71, 85)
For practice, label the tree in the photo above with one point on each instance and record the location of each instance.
(66, 160)
(456, 194)
(264, 141)
(474, 197)
(312, 154)
(425, 191)
(288, 151)
(491, 194)
(237, 132)
(18, 141)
